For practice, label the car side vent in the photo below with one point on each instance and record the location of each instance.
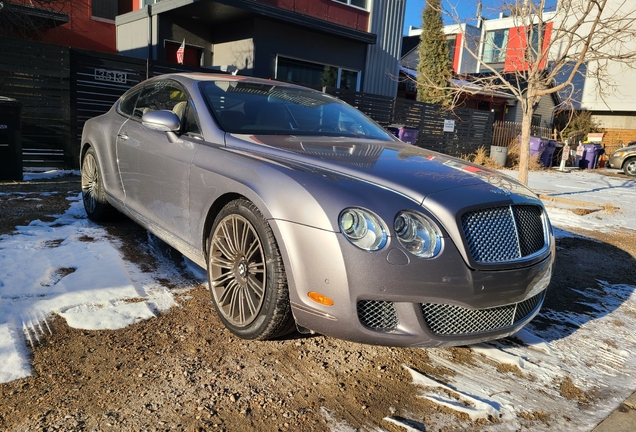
(377, 315)
(451, 320)
(501, 234)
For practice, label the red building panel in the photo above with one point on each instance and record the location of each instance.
(458, 51)
(318, 9)
(517, 44)
(83, 31)
(327, 10)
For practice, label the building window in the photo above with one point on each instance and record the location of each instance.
(107, 9)
(316, 75)
(536, 120)
(362, 4)
(532, 34)
(495, 46)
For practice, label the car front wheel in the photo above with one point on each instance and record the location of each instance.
(246, 274)
(629, 167)
(93, 195)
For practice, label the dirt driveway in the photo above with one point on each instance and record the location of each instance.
(184, 371)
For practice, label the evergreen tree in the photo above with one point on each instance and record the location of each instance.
(434, 66)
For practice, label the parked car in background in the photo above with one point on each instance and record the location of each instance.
(309, 215)
(625, 159)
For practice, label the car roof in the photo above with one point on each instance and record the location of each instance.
(201, 76)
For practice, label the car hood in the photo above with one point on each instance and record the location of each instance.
(406, 169)
(630, 149)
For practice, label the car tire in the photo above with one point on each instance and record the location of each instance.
(247, 278)
(97, 207)
(629, 167)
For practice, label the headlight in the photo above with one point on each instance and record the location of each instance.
(362, 228)
(417, 234)
(618, 154)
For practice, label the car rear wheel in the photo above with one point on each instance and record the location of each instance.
(97, 207)
(246, 274)
(629, 167)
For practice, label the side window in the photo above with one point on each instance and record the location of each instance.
(128, 101)
(191, 122)
(161, 95)
(168, 95)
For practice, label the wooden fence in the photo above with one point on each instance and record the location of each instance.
(97, 81)
(456, 133)
(61, 88)
(505, 133)
(38, 76)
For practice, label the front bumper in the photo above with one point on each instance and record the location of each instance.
(391, 298)
(616, 162)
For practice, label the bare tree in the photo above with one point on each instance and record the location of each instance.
(29, 18)
(545, 52)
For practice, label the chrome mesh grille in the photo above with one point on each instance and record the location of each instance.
(377, 315)
(449, 320)
(500, 234)
(529, 228)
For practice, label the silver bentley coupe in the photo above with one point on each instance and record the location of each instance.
(309, 216)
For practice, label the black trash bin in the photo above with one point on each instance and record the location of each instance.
(10, 139)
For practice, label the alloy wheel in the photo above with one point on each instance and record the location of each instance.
(237, 270)
(90, 183)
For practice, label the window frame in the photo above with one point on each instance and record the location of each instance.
(366, 8)
(339, 74)
(133, 92)
(501, 50)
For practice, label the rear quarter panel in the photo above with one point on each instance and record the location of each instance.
(100, 133)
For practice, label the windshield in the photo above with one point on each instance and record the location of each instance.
(264, 109)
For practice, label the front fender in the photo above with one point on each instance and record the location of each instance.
(217, 172)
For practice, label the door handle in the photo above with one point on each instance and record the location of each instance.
(122, 136)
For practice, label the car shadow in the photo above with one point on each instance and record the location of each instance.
(591, 279)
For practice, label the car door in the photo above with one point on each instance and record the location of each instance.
(108, 153)
(155, 168)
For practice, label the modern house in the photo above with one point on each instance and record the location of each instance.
(501, 43)
(498, 44)
(349, 44)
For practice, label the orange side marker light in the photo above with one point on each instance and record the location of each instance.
(320, 298)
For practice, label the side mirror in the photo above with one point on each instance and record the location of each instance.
(162, 120)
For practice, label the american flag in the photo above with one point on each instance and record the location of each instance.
(180, 52)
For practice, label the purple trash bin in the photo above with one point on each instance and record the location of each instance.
(537, 146)
(408, 135)
(591, 153)
(403, 133)
(548, 153)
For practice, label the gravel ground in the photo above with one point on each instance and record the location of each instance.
(184, 371)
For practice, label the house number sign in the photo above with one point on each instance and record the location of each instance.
(112, 76)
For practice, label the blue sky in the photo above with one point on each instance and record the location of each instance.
(466, 9)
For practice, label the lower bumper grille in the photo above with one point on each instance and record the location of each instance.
(449, 320)
(377, 315)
